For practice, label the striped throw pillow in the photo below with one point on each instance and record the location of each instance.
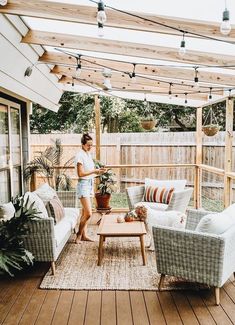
(158, 194)
(55, 209)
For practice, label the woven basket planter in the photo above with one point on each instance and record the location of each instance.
(211, 130)
(148, 125)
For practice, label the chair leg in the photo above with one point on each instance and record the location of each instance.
(53, 268)
(217, 296)
(161, 282)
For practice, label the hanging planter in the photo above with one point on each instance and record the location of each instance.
(212, 128)
(148, 124)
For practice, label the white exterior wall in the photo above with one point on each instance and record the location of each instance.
(41, 87)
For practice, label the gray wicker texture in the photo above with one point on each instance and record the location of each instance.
(200, 257)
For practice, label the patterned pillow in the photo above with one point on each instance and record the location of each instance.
(55, 209)
(158, 194)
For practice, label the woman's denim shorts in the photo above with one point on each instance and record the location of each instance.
(85, 188)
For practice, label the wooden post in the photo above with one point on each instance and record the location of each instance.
(197, 176)
(228, 152)
(119, 170)
(97, 126)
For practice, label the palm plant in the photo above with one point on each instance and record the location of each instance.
(48, 165)
(13, 255)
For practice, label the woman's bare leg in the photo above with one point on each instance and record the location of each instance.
(87, 211)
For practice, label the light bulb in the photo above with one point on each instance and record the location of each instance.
(101, 15)
(225, 26)
(133, 78)
(182, 49)
(170, 95)
(107, 84)
(196, 83)
(100, 30)
(78, 71)
(3, 2)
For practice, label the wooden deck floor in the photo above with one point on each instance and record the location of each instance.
(21, 302)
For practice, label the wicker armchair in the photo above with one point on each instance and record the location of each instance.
(179, 200)
(199, 257)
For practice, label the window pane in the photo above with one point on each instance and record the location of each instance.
(4, 137)
(15, 136)
(16, 181)
(4, 186)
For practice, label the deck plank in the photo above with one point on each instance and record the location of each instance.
(154, 310)
(63, 307)
(93, 308)
(78, 308)
(48, 307)
(108, 308)
(31, 312)
(123, 306)
(217, 312)
(139, 312)
(184, 308)
(201, 311)
(169, 309)
(21, 302)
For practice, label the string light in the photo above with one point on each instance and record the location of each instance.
(182, 49)
(225, 27)
(229, 94)
(100, 30)
(132, 75)
(101, 15)
(79, 67)
(145, 100)
(210, 94)
(170, 92)
(196, 80)
(186, 98)
(3, 2)
(72, 82)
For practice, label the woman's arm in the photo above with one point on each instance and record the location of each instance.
(82, 173)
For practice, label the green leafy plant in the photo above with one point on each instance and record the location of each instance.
(106, 181)
(47, 165)
(13, 255)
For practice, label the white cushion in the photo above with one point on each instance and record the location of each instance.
(7, 211)
(171, 218)
(153, 205)
(215, 223)
(45, 192)
(72, 215)
(61, 229)
(178, 185)
(38, 204)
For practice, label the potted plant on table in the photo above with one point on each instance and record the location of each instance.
(106, 186)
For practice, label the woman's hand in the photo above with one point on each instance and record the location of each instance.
(100, 171)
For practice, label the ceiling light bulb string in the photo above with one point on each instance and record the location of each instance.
(165, 25)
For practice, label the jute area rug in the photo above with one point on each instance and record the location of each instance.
(122, 267)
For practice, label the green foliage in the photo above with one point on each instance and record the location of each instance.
(47, 165)
(13, 256)
(106, 181)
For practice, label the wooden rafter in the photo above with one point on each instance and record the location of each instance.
(98, 82)
(124, 80)
(87, 14)
(125, 48)
(182, 74)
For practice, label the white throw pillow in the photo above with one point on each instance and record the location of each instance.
(178, 185)
(7, 211)
(38, 204)
(215, 223)
(45, 192)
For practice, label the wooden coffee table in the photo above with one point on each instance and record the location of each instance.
(109, 227)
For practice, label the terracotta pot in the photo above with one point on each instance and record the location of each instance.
(102, 201)
(148, 125)
(210, 130)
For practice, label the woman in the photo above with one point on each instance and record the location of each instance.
(86, 171)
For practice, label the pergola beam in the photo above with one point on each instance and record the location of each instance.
(87, 14)
(125, 48)
(182, 74)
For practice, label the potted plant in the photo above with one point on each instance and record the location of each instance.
(210, 126)
(106, 186)
(148, 122)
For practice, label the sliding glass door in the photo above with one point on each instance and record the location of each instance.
(10, 150)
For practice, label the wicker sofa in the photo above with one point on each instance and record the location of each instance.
(179, 200)
(201, 257)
